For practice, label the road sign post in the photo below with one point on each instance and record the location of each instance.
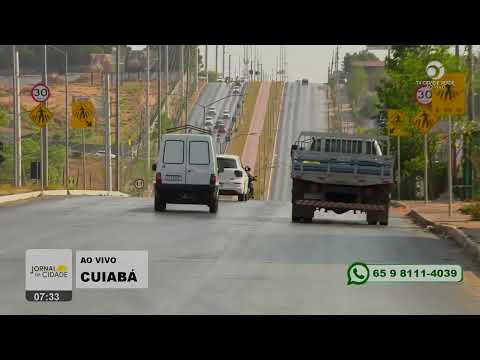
(397, 121)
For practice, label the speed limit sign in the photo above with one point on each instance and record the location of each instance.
(40, 92)
(424, 95)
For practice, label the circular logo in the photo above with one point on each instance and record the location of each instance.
(40, 92)
(139, 183)
(435, 70)
(424, 95)
(358, 273)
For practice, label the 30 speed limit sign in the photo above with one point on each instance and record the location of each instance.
(424, 95)
(40, 93)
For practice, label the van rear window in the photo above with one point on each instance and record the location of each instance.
(199, 153)
(173, 152)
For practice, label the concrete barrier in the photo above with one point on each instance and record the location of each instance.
(33, 194)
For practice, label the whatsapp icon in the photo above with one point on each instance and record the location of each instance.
(357, 274)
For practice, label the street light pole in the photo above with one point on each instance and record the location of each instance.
(17, 129)
(117, 118)
(147, 110)
(206, 63)
(67, 134)
(44, 131)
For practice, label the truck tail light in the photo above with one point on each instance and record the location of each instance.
(213, 179)
(158, 178)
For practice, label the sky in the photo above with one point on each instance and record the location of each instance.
(303, 61)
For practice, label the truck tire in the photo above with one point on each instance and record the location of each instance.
(372, 217)
(384, 217)
(295, 217)
(159, 205)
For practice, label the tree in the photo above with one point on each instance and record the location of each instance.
(363, 55)
(356, 85)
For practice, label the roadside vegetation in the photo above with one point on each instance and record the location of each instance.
(267, 141)
(239, 134)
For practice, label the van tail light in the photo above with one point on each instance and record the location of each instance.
(213, 179)
(158, 178)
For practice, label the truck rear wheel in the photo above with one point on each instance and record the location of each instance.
(372, 217)
(384, 217)
(302, 213)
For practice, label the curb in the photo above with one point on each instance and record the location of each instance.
(462, 239)
(33, 194)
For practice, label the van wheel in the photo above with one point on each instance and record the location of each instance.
(384, 218)
(241, 198)
(159, 205)
(214, 206)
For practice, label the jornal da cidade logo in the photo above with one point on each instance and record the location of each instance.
(50, 271)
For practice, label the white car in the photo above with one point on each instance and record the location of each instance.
(212, 111)
(220, 79)
(101, 153)
(236, 91)
(233, 178)
(226, 115)
(209, 122)
(186, 171)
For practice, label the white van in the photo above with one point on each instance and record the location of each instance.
(186, 171)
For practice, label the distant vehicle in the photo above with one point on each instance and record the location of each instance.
(212, 111)
(236, 91)
(226, 115)
(219, 124)
(220, 79)
(101, 153)
(186, 171)
(233, 177)
(304, 81)
(341, 172)
(209, 122)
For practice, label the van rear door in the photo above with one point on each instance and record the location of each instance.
(200, 162)
(173, 161)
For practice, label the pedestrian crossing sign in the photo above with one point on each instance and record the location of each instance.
(424, 120)
(83, 113)
(41, 115)
(449, 99)
(397, 121)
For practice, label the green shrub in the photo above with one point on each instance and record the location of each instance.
(471, 209)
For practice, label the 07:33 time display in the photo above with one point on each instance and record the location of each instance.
(46, 296)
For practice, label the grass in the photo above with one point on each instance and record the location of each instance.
(7, 189)
(239, 138)
(267, 141)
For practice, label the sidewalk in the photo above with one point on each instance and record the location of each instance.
(458, 226)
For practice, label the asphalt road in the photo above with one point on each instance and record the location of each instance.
(304, 108)
(247, 259)
(212, 92)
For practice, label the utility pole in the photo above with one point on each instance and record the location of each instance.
(188, 80)
(147, 110)
(216, 61)
(182, 71)
(117, 117)
(17, 130)
(108, 147)
(223, 61)
(206, 62)
(159, 95)
(229, 65)
(44, 131)
(166, 79)
(197, 54)
(468, 152)
(67, 126)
